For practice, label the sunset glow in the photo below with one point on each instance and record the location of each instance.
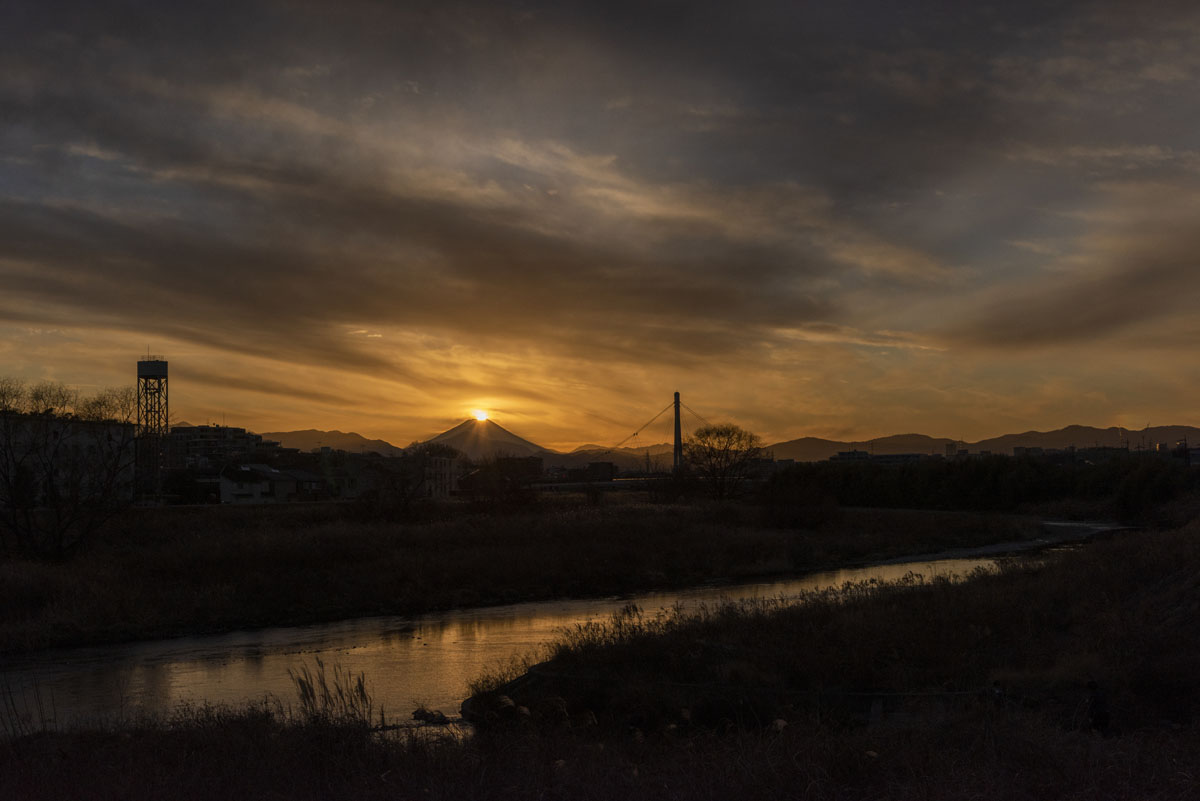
(829, 220)
(480, 414)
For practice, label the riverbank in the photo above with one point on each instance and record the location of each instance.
(172, 572)
(1120, 613)
(947, 690)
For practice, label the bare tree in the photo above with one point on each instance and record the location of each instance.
(66, 465)
(722, 455)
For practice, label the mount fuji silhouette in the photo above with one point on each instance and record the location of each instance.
(482, 439)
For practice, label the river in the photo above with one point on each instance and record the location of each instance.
(424, 660)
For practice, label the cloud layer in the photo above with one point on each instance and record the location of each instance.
(855, 220)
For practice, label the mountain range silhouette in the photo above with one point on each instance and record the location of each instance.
(482, 439)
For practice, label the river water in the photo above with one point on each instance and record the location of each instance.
(427, 659)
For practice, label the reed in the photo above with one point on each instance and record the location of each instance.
(334, 695)
(1118, 612)
(169, 572)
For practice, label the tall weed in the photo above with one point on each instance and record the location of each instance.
(333, 695)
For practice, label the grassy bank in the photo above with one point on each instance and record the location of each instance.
(218, 755)
(1122, 614)
(754, 701)
(166, 572)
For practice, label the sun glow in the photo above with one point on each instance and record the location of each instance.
(480, 414)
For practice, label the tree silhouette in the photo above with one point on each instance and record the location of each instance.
(66, 465)
(722, 455)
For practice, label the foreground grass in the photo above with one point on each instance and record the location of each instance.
(167, 572)
(1122, 614)
(249, 754)
(740, 701)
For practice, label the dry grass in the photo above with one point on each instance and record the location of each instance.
(253, 753)
(1120, 612)
(176, 571)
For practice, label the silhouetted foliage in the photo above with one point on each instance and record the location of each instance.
(1130, 485)
(503, 482)
(722, 455)
(66, 465)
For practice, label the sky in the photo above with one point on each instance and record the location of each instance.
(842, 220)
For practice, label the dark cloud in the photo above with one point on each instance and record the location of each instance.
(1089, 310)
(668, 184)
(1141, 270)
(193, 375)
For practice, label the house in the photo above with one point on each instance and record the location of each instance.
(257, 483)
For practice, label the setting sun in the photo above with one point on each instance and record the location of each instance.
(480, 414)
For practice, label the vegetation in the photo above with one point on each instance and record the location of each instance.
(1120, 613)
(66, 465)
(870, 692)
(1072, 677)
(1131, 487)
(164, 572)
(722, 455)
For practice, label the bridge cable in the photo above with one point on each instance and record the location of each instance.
(635, 433)
(693, 411)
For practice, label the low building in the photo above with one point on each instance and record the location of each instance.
(309, 485)
(897, 458)
(601, 471)
(257, 483)
(520, 468)
(441, 477)
(210, 447)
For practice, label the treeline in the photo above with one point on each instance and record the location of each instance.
(1128, 486)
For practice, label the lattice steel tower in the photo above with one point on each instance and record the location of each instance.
(152, 421)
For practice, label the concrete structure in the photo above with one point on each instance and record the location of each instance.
(212, 447)
(441, 477)
(677, 451)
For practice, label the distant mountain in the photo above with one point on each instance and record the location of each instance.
(1089, 437)
(812, 449)
(311, 438)
(482, 439)
(623, 458)
(655, 450)
(808, 449)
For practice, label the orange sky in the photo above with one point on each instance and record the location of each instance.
(840, 222)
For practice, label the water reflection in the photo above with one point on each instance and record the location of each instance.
(425, 660)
